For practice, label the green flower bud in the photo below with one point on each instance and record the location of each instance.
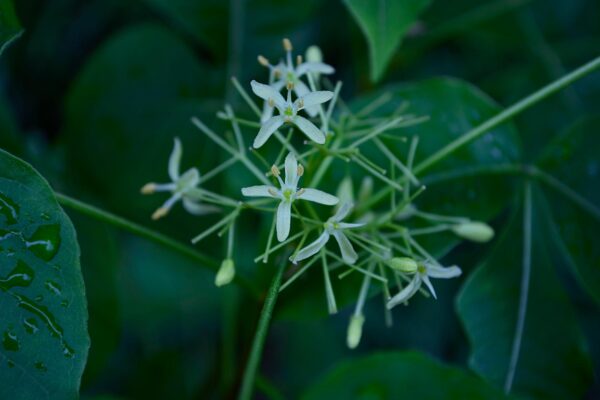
(355, 330)
(226, 272)
(314, 54)
(403, 264)
(475, 231)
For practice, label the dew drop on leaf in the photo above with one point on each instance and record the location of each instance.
(9, 209)
(30, 325)
(45, 242)
(21, 276)
(53, 287)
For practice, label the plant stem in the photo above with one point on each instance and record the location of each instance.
(139, 230)
(261, 334)
(507, 114)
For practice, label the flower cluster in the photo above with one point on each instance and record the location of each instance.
(376, 234)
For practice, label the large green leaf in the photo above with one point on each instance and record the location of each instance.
(573, 159)
(384, 24)
(44, 317)
(521, 325)
(398, 376)
(453, 107)
(10, 28)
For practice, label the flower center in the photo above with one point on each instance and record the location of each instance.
(422, 270)
(290, 76)
(288, 112)
(287, 194)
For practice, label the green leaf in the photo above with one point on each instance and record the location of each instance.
(399, 375)
(573, 159)
(44, 317)
(384, 24)
(10, 28)
(522, 328)
(453, 187)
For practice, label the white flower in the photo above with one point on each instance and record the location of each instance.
(334, 227)
(424, 271)
(182, 187)
(288, 112)
(287, 194)
(285, 72)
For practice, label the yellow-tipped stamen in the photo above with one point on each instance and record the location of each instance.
(272, 191)
(275, 171)
(148, 188)
(300, 170)
(271, 103)
(300, 104)
(263, 61)
(298, 59)
(299, 192)
(287, 45)
(159, 213)
(290, 85)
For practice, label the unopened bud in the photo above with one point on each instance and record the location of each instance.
(403, 264)
(474, 231)
(314, 54)
(263, 61)
(159, 213)
(355, 330)
(148, 188)
(287, 45)
(226, 272)
(300, 170)
(275, 171)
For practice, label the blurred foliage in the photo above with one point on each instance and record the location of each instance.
(92, 93)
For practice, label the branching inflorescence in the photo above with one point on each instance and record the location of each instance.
(372, 239)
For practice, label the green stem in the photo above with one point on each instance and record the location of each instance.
(139, 230)
(260, 335)
(507, 114)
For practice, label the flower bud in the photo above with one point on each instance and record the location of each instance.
(314, 54)
(475, 231)
(403, 264)
(226, 272)
(355, 330)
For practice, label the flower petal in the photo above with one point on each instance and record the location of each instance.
(429, 285)
(174, 160)
(267, 112)
(436, 271)
(266, 130)
(318, 196)
(197, 208)
(342, 211)
(309, 129)
(284, 215)
(406, 293)
(348, 253)
(302, 90)
(188, 180)
(312, 248)
(267, 93)
(316, 98)
(259, 191)
(317, 67)
(346, 225)
(291, 170)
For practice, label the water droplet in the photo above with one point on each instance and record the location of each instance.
(9, 209)
(40, 366)
(10, 342)
(53, 287)
(21, 276)
(45, 241)
(31, 325)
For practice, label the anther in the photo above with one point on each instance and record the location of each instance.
(159, 213)
(290, 85)
(300, 170)
(271, 103)
(287, 45)
(275, 170)
(298, 59)
(148, 188)
(263, 61)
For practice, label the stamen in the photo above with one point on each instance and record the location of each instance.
(289, 85)
(263, 61)
(287, 45)
(159, 213)
(272, 191)
(148, 188)
(271, 103)
(299, 59)
(275, 171)
(299, 192)
(300, 171)
(300, 104)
